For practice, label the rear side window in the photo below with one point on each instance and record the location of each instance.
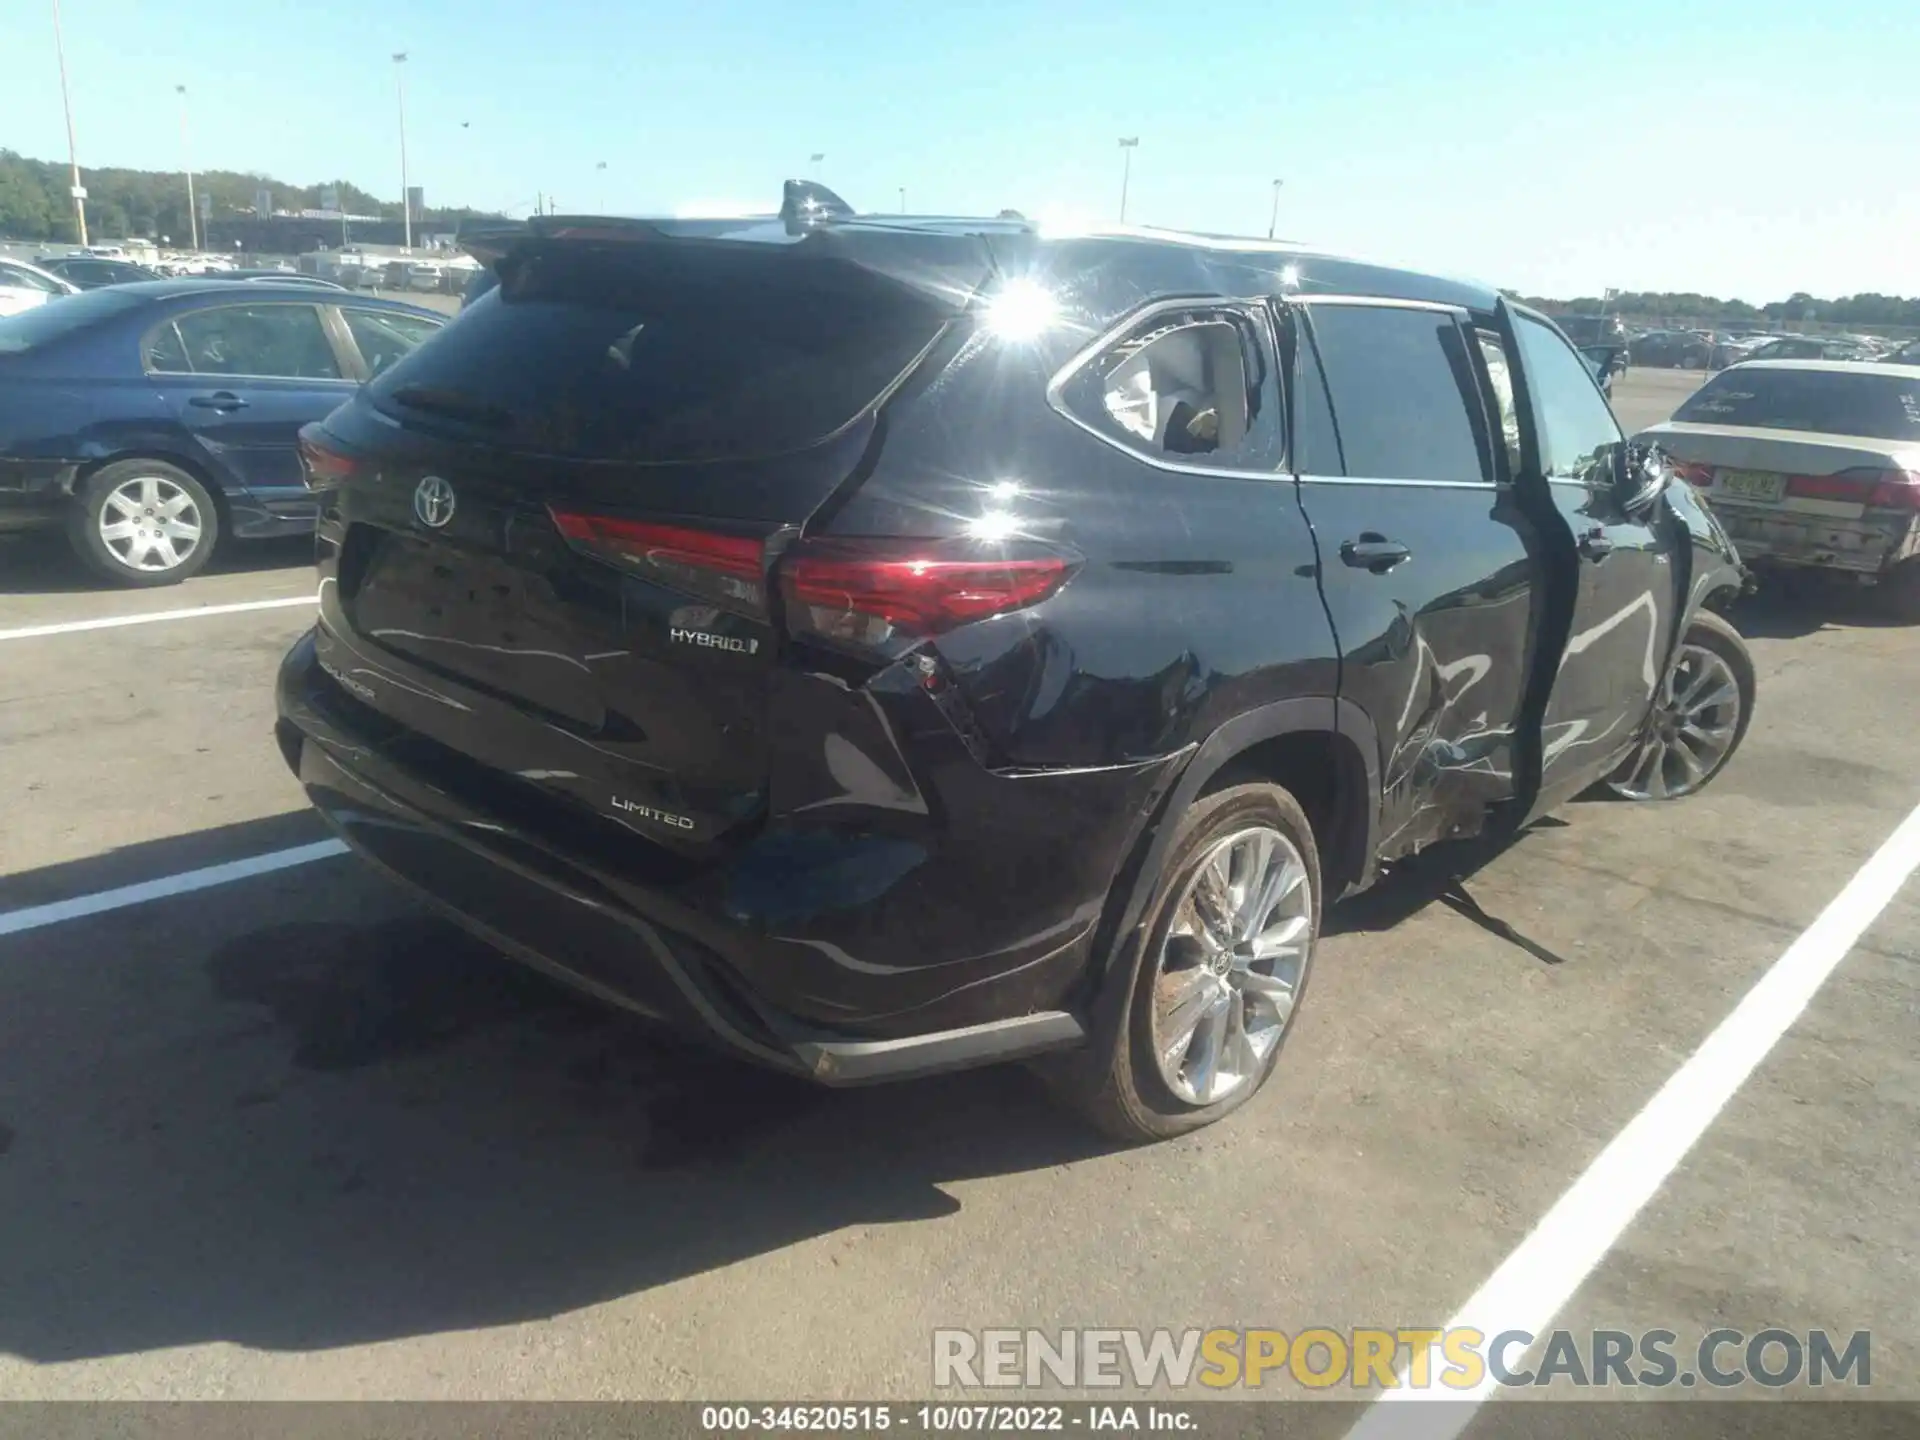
(1192, 386)
(1578, 434)
(385, 337)
(1404, 393)
(279, 341)
(662, 356)
(1830, 402)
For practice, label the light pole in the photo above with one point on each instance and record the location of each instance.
(600, 171)
(1127, 146)
(406, 193)
(186, 162)
(73, 155)
(903, 199)
(813, 164)
(1273, 220)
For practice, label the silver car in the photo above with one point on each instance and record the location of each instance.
(1810, 463)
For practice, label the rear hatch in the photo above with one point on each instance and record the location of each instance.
(551, 526)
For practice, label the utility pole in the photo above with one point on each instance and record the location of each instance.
(406, 192)
(186, 160)
(1127, 147)
(1273, 220)
(73, 154)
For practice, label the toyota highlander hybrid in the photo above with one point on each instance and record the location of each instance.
(888, 645)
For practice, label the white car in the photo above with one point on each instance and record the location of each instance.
(1812, 464)
(23, 286)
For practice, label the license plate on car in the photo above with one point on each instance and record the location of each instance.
(1752, 484)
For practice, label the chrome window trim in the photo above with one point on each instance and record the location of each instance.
(1378, 302)
(1417, 484)
(1250, 308)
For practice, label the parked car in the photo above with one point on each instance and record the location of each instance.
(1605, 361)
(883, 650)
(1908, 354)
(1808, 347)
(149, 420)
(1594, 333)
(1811, 463)
(1730, 350)
(24, 286)
(1672, 349)
(85, 272)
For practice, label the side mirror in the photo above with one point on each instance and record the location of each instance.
(1643, 477)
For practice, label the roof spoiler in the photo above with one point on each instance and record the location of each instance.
(805, 205)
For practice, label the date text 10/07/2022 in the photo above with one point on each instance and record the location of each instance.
(940, 1419)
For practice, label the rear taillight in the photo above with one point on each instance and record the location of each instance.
(1693, 472)
(727, 569)
(878, 593)
(1874, 488)
(322, 465)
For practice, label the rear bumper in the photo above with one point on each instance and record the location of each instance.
(648, 947)
(1866, 546)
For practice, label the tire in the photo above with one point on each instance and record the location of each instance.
(1669, 763)
(1128, 1094)
(152, 548)
(1900, 591)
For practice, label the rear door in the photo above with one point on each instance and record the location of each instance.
(243, 379)
(549, 535)
(1429, 571)
(1625, 588)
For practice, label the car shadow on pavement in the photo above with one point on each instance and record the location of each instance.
(1439, 875)
(305, 1114)
(1788, 607)
(43, 564)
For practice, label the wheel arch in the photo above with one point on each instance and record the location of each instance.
(1280, 743)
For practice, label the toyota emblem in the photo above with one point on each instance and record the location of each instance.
(433, 502)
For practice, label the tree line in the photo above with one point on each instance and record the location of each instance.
(35, 203)
(1868, 309)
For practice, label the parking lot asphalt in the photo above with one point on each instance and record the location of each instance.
(290, 1137)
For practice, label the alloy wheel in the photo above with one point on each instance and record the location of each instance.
(150, 524)
(1231, 965)
(1692, 728)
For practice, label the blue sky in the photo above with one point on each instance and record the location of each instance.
(1744, 148)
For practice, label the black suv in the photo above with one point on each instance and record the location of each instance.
(884, 646)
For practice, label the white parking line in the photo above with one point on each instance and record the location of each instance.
(12, 922)
(1536, 1280)
(151, 617)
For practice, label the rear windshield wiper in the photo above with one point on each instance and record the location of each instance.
(454, 405)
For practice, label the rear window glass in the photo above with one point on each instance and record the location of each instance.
(1878, 407)
(664, 355)
(61, 317)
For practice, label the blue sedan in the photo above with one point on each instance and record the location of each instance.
(151, 420)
